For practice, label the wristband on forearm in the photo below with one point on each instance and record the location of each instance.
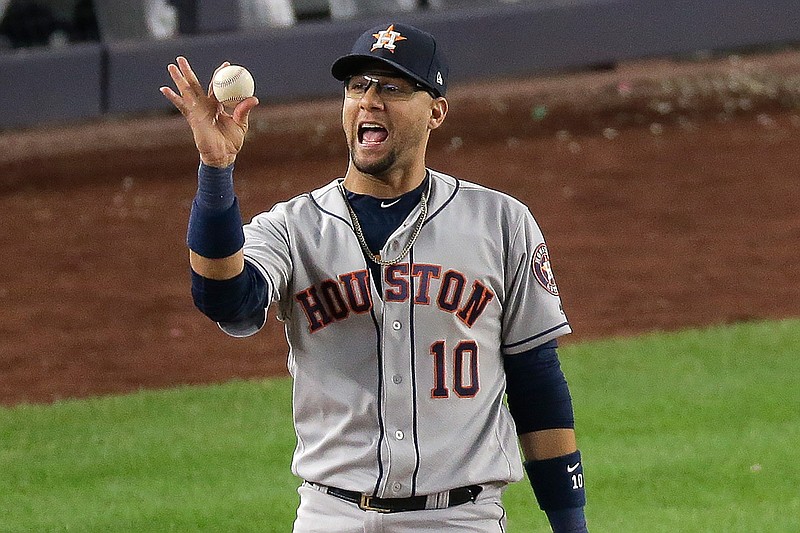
(215, 222)
(558, 486)
(214, 187)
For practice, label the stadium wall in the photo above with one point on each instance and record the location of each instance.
(87, 81)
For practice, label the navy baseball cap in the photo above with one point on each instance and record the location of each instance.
(410, 50)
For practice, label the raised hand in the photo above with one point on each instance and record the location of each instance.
(218, 135)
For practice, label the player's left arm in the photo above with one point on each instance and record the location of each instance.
(541, 405)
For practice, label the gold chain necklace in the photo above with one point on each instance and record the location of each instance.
(376, 258)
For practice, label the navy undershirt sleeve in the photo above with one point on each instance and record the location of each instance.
(231, 300)
(538, 394)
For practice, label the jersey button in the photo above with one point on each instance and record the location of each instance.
(399, 435)
(397, 379)
(396, 325)
(397, 487)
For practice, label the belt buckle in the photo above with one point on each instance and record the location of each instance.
(366, 505)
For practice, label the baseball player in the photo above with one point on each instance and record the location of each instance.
(413, 302)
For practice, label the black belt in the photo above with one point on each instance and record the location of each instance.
(457, 496)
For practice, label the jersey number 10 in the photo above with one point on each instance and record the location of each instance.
(465, 370)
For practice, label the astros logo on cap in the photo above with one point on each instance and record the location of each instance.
(386, 39)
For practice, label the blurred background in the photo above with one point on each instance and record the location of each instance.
(62, 60)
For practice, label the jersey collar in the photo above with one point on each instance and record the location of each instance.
(441, 189)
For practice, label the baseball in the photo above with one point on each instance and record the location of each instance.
(232, 84)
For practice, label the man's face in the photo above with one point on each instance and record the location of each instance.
(386, 120)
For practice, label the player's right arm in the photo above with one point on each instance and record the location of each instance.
(222, 286)
(219, 137)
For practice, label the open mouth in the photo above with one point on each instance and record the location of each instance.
(372, 134)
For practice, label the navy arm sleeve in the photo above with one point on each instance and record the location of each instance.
(539, 399)
(232, 300)
(538, 395)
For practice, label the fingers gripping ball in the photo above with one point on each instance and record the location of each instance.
(232, 84)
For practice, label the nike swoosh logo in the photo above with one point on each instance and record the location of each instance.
(389, 204)
(571, 469)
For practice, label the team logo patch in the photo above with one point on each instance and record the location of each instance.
(543, 271)
(386, 39)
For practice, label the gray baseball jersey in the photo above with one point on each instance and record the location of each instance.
(399, 385)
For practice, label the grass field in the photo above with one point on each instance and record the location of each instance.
(695, 431)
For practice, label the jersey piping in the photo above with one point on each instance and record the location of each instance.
(534, 337)
(381, 425)
(334, 215)
(444, 204)
(415, 408)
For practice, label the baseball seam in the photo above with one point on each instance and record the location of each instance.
(228, 81)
